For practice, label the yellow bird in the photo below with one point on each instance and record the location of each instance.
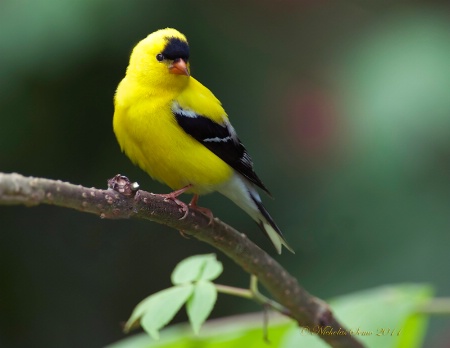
(177, 131)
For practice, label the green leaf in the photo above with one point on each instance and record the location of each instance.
(387, 307)
(212, 269)
(201, 303)
(196, 268)
(158, 309)
(416, 323)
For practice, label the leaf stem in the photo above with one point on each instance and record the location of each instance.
(252, 294)
(231, 290)
(436, 306)
(263, 299)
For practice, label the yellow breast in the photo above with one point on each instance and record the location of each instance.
(150, 136)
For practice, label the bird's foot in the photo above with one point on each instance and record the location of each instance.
(173, 197)
(183, 234)
(203, 210)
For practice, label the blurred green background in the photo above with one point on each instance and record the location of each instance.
(343, 105)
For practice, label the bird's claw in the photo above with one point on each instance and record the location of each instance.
(192, 205)
(186, 212)
(184, 235)
(173, 197)
(183, 206)
(204, 211)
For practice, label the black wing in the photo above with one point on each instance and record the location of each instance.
(220, 140)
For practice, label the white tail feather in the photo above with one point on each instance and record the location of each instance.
(244, 195)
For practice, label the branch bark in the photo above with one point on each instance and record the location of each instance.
(123, 200)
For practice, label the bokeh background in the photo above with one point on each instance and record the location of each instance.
(343, 105)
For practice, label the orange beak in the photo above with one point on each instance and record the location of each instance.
(179, 67)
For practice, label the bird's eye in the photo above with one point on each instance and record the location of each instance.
(159, 57)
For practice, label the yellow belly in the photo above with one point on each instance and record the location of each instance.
(151, 138)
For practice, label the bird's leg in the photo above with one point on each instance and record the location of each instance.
(173, 197)
(203, 210)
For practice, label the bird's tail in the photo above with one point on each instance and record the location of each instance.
(244, 194)
(269, 226)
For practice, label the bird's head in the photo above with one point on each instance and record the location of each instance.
(162, 58)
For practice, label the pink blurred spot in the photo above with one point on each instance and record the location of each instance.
(311, 122)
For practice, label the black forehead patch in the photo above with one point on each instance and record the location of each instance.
(176, 48)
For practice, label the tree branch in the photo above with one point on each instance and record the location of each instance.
(123, 200)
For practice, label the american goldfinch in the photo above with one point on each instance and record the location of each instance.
(177, 131)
